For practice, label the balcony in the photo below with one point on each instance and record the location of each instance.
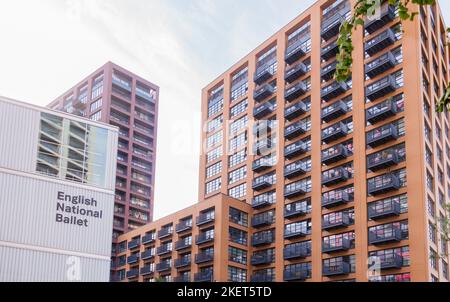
(380, 65)
(295, 170)
(339, 269)
(262, 221)
(330, 51)
(335, 176)
(327, 73)
(263, 110)
(262, 74)
(203, 258)
(384, 210)
(261, 259)
(295, 72)
(338, 199)
(296, 275)
(295, 111)
(262, 183)
(390, 235)
(387, 15)
(384, 184)
(147, 270)
(380, 42)
(263, 92)
(133, 244)
(294, 52)
(182, 244)
(263, 239)
(163, 250)
(148, 254)
(183, 226)
(263, 127)
(263, 146)
(262, 201)
(297, 252)
(335, 154)
(164, 233)
(382, 160)
(133, 273)
(265, 278)
(163, 267)
(381, 112)
(147, 239)
(330, 27)
(336, 246)
(133, 259)
(205, 218)
(334, 111)
(381, 88)
(292, 234)
(381, 136)
(295, 149)
(294, 191)
(295, 91)
(294, 212)
(262, 164)
(334, 132)
(334, 90)
(203, 277)
(342, 220)
(182, 262)
(182, 279)
(204, 238)
(393, 261)
(125, 84)
(295, 130)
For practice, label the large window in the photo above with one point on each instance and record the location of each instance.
(213, 186)
(214, 170)
(237, 158)
(237, 255)
(239, 108)
(237, 274)
(96, 105)
(238, 192)
(237, 175)
(238, 217)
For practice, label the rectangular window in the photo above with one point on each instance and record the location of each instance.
(213, 186)
(214, 170)
(238, 192)
(238, 236)
(96, 116)
(237, 274)
(214, 154)
(237, 175)
(239, 108)
(214, 139)
(96, 105)
(215, 124)
(237, 255)
(238, 217)
(237, 158)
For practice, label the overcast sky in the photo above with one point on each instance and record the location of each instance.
(47, 46)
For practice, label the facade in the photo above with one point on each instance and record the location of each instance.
(347, 181)
(57, 174)
(120, 98)
(204, 243)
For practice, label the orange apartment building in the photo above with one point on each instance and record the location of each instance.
(341, 181)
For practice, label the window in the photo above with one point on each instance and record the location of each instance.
(238, 125)
(238, 217)
(237, 175)
(430, 182)
(237, 274)
(238, 141)
(238, 236)
(237, 255)
(215, 124)
(433, 259)
(214, 154)
(214, 170)
(96, 105)
(432, 232)
(213, 186)
(237, 158)
(406, 277)
(238, 192)
(215, 103)
(303, 227)
(297, 268)
(97, 87)
(214, 139)
(239, 108)
(431, 207)
(388, 254)
(96, 116)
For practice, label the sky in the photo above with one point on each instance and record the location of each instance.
(48, 46)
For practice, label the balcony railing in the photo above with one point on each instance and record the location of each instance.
(163, 233)
(334, 132)
(182, 279)
(148, 254)
(262, 183)
(147, 239)
(330, 51)
(342, 268)
(297, 252)
(295, 111)
(330, 27)
(337, 199)
(296, 275)
(183, 226)
(334, 90)
(336, 246)
(133, 259)
(262, 201)
(294, 190)
(388, 235)
(387, 14)
(262, 74)
(335, 176)
(381, 88)
(295, 72)
(204, 257)
(335, 154)
(295, 91)
(182, 262)
(382, 135)
(162, 250)
(163, 267)
(327, 73)
(334, 111)
(391, 261)
(340, 220)
(147, 270)
(133, 273)
(380, 65)
(295, 130)
(294, 52)
(263, 127)
(182, 244)
(263, 92)
(204, 238)
(383, 210)
(295, 170)
(264, 145)
(380, 42)
(205, 218)
(262, 221)
(382, 160)
(261, 259)
(263, 110)
(262, 278)
(295, 149)
(133, 244)
(292, 234)
(381, 112)
(295, 212)
(263, 239)
(262, 164)
(204, 277)
(383, 184)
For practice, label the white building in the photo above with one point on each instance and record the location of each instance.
(57, 179)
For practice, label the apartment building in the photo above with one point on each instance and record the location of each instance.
(57, 177)
(116, 96)
(204, 243)
(347, 181)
